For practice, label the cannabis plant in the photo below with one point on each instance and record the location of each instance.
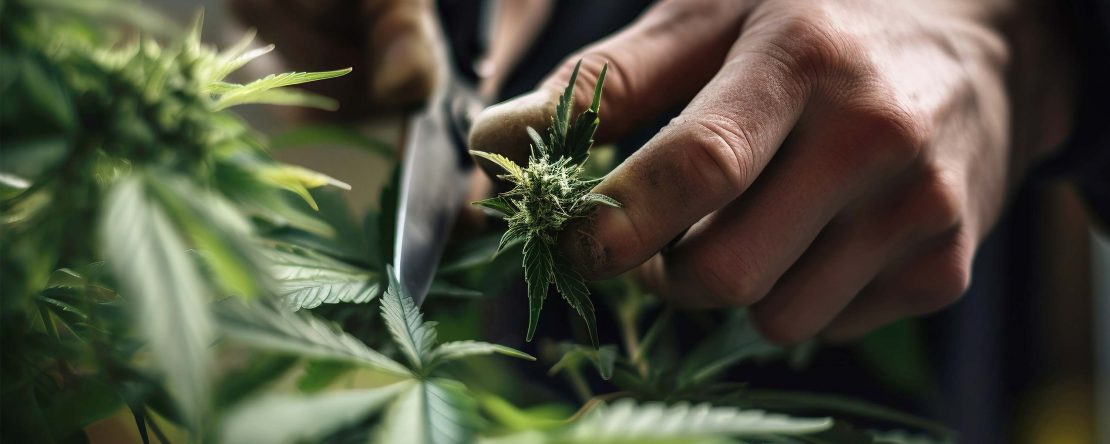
(127, 200)
(157, 265)
(547, 194)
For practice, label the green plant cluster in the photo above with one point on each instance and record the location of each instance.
(156, 262)
(547, 194)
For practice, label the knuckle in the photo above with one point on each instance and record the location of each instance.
(951, 283)
(950, 276)
(898, 136)
(778, 330)
(942, 201)
(718, 152)
(806, 41)
(728, 279)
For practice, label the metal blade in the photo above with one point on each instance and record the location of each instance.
(434, 177)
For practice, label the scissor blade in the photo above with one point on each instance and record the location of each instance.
(432, 189)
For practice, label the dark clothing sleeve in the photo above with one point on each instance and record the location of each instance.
(1086, 157)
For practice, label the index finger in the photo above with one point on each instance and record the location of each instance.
(703, 159)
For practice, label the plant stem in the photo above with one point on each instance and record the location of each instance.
(626, 315)
(578, 384)
(154, 427)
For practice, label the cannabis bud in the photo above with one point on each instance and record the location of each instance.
(546, 195)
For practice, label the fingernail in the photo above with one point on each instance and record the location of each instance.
(502, 128)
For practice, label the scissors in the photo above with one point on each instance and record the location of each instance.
(435, 164)
(435, 167)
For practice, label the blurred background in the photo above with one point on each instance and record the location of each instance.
(1024, 357)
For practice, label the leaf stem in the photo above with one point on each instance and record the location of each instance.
(578, 384)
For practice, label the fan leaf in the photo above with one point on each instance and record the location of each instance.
(415, 337)
(291, 419)
(538, 266)
(149, 259)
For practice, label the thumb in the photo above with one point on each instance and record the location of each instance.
(661, 60)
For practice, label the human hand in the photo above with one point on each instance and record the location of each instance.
(836, 166)
(389, 43)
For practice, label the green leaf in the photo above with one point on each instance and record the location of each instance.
(602, 358)
(291, 419)
(533, 419)
(515, 233)
(573, 288)
(307, 279)
(22, 161)
(224, 236)
(733, 341)
(148, 258)
(561, 121)
(236, 56)
(262, 371)
(803, 401)
(515, 172)
(441, 287)
(266, 327)
(294, 97)
(501, 205)
(538, 266)
(297, 179)
(580, 136)
(435, 411)
(595, 198)
(250, 92)
(538, 143)
(142, 18)
(451, 351)
(595, 106)
(318, 375)
(415, 337)
(627, 422)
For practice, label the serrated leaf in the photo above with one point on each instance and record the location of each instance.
(149, 260)
(515, 233)
(561, 121)
(538, 266)
(237, 56)
(306, 279)
(580, 137)
(625, 421)
(251, 91)
(290, 418)
(602, 358)
(301, 334)
(451, 351)
(435, 411)
(514, 170)
(503, 206)
(293, 97)
(415, 337)
(573, 288)
(601, 199)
